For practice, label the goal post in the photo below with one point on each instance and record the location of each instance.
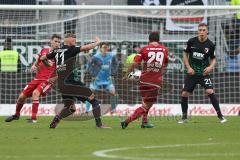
(31, 26)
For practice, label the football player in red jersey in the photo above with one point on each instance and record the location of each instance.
(41, 84)
(155, 58)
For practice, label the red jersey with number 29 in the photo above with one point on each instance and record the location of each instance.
(155, 58)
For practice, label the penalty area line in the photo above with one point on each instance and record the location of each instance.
(108, 153)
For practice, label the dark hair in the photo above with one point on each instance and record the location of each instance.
(154, 37)
(202, 25)
(56, 36)
(136, 46)
(103, 43)
(8, 43)
(68, 35)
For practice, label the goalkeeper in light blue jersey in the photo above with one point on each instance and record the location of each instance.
(102, 67)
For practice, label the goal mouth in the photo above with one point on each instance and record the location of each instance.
(122, 27)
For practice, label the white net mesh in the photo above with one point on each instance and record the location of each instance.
(31, 29)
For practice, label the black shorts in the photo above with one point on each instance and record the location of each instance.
(73, 98)
(191, 81)
(74, 92)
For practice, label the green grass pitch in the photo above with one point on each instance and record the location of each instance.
(203, 138)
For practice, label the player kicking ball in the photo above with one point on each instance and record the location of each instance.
(65, 60)
(41, 84)
(155, 59)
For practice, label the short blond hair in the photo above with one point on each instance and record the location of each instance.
(68, 35)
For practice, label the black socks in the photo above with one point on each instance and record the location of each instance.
(184, 105)
(215, 104)
(96, 112)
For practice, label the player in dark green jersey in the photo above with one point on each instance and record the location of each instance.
(199, 59)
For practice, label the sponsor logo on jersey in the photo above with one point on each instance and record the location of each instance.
(61, 67)
(198, 55)
(206, 50)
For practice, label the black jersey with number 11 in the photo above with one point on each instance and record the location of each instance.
(65, 61)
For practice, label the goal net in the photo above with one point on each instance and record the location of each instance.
(31, 28)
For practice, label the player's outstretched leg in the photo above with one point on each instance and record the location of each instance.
(137, 113)
(11, 118)
(97, 113)
(55, 121)
(20, 101)
(69, 109)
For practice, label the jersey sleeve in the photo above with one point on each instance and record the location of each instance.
(52, 54)
(44, 51)
(188, 47)
(138, 58)
(212, 52)
(75, 50)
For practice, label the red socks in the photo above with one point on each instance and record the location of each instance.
(145, 117)
(137, 113)
(35, 105)
(18, 108)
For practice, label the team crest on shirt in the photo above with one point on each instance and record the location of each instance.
(206, 50)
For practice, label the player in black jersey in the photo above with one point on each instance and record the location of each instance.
(199, 59)
(65, 61)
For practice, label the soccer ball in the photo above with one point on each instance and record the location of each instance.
(135, 75)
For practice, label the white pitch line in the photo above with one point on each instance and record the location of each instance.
(105, 153)
(38, 156)
(190, 155)
(181, 145)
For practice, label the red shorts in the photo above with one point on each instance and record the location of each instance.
(148, 92)
(43, 86)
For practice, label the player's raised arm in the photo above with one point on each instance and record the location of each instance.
(90, 46)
